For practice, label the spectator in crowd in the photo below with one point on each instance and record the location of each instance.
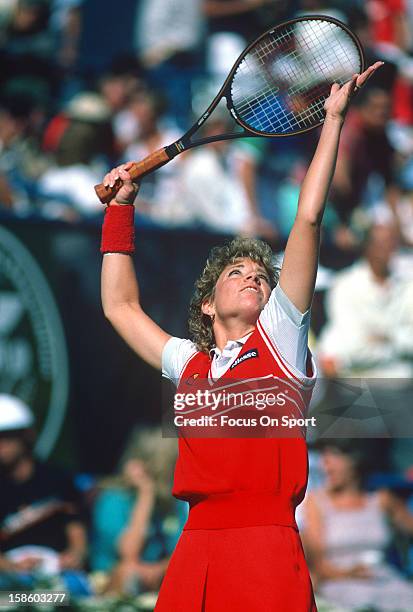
(118, 88)
(41, 525)
(392, 39)
(369, 329)
(247, 18)
(218, 188)
(400, 212)
(82, 150)
(136, 524)
(323, 7)
(389, 24)
(168, 41)
(360, 24)
(346, 534)
(27, 45)
(231, 25)
(66, 23)
(404, 206)
(159, 197)
(369, 336)
(21, 161)
(365, 151)
(286, 201)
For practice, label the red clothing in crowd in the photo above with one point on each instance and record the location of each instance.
(383, 15)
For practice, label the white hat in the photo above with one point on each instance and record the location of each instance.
(88, 106)
(14, 414)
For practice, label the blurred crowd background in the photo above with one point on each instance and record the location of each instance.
(88, 84)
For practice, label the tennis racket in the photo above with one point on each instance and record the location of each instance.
(277, 87)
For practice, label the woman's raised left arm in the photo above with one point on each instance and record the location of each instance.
(299, 270)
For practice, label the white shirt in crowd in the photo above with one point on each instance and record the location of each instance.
(211, 191)
(72, 186)
(369, 327)
(164, 27)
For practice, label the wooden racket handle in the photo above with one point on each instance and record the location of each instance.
(137, 171)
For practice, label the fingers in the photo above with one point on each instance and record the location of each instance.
(334, 88)
(362, 78)
(124, 176)
(349, 87)
(118, 173)
(358, 80)
(352, 84)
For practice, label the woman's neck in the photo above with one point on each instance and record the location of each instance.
(233, 331)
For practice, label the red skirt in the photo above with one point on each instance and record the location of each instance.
(259, 569)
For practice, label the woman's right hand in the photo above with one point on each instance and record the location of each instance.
(128, 191)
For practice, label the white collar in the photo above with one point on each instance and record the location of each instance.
(216, 352)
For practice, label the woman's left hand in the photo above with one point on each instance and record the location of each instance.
(338, 101)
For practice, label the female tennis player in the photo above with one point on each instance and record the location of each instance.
(240, 548)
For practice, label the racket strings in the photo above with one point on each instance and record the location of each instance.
(281, 85)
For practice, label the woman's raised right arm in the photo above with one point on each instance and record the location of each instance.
(119, 285)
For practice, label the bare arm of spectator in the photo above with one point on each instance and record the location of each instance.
(132, 540)
(393, 195)
(258, 226)
(120, 291)
(344, 237)
(75, 554)
(152, 573)
(149, 574)
(24, 565)
(398, 511)
(6, 565)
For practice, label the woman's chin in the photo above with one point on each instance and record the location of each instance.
(251, 310)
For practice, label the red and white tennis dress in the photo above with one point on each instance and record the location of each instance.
(240, 549)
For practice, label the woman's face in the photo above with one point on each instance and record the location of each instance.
(338, 468)
(242, 289)
(143, 110)
(12, 450)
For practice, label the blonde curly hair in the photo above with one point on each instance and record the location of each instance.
(200, 325)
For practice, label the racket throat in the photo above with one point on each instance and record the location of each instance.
(175, 148)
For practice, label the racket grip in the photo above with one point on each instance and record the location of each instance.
(137, 171)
